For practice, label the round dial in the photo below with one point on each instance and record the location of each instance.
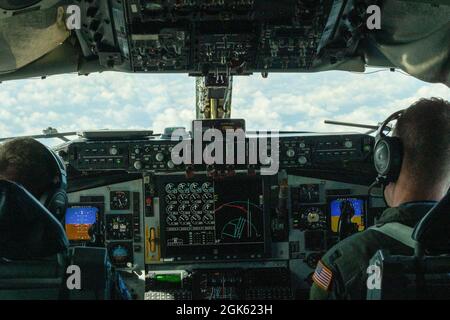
(207, 197)
(183, 197)
(196, 187)
(171, 198)
(184, 219)
(120, 254)
(119, 227)
(120, 200)
(183, 188)
(309, 193)
(207, 187)
(184, 208)
(171, 208)
(208, 208)
(314, 218)
(171, 188)
(196, 208)
(171, 220)
(196, 219)
(195, 197)
(208, 218)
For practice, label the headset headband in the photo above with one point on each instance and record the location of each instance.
(395, 116)
(61, 170)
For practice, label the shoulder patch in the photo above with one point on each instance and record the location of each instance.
(322, 276)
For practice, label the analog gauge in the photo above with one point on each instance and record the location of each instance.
(184, 219)
(184, 208)
(171, 220)
(208, 187)
(208, 208)
(195, 197)
(183, 197)
(183, 188)
(120, 253)
(196, 219)
(171, 188)
(120, 200)
(119, 227)
(309, 193)
(207, 197)
(196, 187)
(171, 198)
(196, 208)
(171, 208)
(208, 218)
(314, 218)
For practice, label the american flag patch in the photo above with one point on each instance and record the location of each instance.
(322, 276)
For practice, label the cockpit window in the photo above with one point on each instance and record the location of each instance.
(299, 102)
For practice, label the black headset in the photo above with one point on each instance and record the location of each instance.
(55, 199)
(388, 152)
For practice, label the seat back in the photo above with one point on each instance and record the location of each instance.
(32, 280)
(432, 233)
(35, 254)
(424, 275)
(33, 247)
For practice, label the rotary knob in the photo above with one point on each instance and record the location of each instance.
(138, 165)
(159, 157)
(302, 160)
(290, 153)
(348, 144)
(137, 151)
(113, 151)
(170, 164)
(302, 145)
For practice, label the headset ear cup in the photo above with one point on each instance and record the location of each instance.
(388, 154)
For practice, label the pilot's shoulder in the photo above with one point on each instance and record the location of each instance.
(350, 257)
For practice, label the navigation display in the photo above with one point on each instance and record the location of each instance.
(226, 217)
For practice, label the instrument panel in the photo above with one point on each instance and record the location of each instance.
(235, 37)
(175, 235)
(220, 284)
(118, 223)
(307, 151)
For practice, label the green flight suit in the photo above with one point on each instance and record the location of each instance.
(349, 259)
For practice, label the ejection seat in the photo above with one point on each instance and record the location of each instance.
(35, 254)
(426, 274)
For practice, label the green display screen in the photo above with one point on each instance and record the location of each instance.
(168, 278)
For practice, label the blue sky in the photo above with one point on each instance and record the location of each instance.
(127, 101)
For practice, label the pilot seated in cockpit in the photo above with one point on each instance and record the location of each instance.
(423, 132)
(29, 163)
(38, 169)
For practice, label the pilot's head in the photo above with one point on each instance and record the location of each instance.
(29, 163)
(424, 130)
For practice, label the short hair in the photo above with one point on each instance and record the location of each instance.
(424, 130)
(29, 163)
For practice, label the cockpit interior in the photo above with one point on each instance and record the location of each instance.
(162, 211)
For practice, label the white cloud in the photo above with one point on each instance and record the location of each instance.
(283, 101)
